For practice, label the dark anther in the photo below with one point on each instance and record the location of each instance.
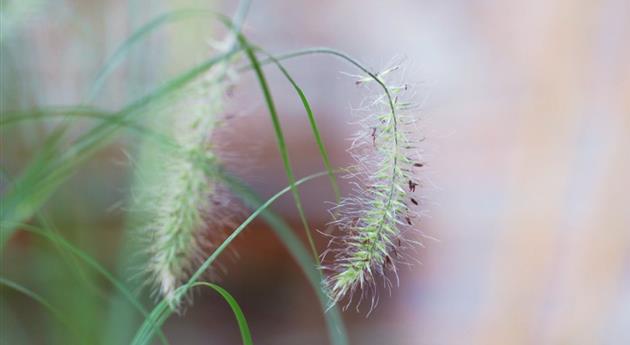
(412, 186)
(374, 136)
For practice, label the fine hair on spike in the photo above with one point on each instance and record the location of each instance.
(188, 208)
(371, 222)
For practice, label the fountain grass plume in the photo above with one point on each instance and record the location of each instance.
(186, 216)
(371, 222)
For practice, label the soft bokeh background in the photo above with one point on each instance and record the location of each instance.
(526, 115)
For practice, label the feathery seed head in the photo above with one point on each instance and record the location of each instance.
(182, 209)
(372, 220)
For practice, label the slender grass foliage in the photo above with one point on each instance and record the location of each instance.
(183, 214)
(41, 301)
(282, 146)
(92, 263)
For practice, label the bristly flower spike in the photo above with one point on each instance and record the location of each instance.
(371, 222)
(184, 205)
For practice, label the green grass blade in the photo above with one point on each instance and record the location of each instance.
(162, 312)
(327, 51)
(10, 118)
(282, 147)
(333, 320)
(41, 301)
(13, 207)
(44, 114)
(91, 262)
(116, 59)
(68, 258)
(119, 55)
(332, 315)
(313, 123)
(236, 309)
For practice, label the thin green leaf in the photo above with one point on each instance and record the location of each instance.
(332, 315)
(14, 117)
(61, 242)
(173, 16)
(162, 312)
(14, 208)
(40, 300)
(236, 309)
(43, 114)
(313, 123)
(282, 147)
(327, 51)
(119, 55)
